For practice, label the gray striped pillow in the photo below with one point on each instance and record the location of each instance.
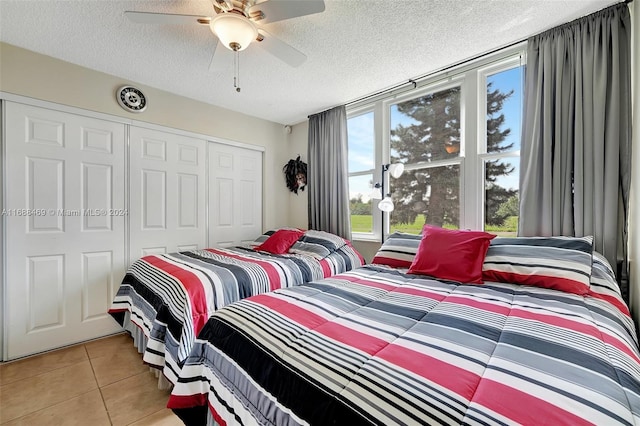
(318, 244)
(561, 263)
(398, 250)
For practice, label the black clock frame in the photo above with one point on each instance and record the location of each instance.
(131, 99)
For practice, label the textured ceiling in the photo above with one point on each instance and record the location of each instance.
(354, 48)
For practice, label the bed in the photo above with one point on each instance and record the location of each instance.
(165, 299)
(382, 344)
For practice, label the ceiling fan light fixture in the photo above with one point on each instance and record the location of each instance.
(234, 31)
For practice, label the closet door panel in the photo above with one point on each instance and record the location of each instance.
(188, 185)
(45, 192)
(98, 287)
(154, 200)
(235, 195)
(65, 238)
(167, 195)
(45, 293)
(97, 196)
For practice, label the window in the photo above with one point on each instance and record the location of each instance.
(501, 160)
(501, 146)
(361, 138)
(459, 138)
(425, 136)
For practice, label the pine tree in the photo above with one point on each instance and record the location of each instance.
(434, 134)
(496, 195)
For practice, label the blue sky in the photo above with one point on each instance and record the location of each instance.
(361, 143)
(512, 110)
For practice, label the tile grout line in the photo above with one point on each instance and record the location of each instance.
(47, 372)
(118, 381)
(142, 418)
(94, 371)
(104, 404)
(48, 407)
(43, 372)
(59, 402)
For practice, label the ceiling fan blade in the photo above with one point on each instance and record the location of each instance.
(222, 58)
(275, 10)
(166, 18)
(280, 49)
(213, 55)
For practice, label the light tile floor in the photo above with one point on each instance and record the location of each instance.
(102, 382)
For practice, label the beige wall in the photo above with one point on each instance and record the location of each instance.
(298, 204)
(30, 74)
(634, 214)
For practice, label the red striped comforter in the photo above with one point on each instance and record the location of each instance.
(171, 296)
(376, 346)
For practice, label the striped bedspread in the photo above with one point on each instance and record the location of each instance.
(377, 346)
(171, 296)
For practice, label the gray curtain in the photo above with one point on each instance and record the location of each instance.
(327, 173)
(576, 146)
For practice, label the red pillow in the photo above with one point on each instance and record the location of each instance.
(280, 241)
(451, 254)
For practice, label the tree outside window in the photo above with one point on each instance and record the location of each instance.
(425, 132)
(460, 144)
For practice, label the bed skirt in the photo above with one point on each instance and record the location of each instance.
(140, 342)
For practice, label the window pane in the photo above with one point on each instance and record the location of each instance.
(504, 110)
(501, 196)
(426, 196)
(361, 142)
(360, 203)
(426, 128)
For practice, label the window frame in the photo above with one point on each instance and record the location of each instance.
(472, 79)
(377, 218)
(483, 156)
(432, 87)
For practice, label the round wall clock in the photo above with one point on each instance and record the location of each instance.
(131, 99)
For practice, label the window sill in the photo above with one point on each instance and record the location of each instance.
(365, 238)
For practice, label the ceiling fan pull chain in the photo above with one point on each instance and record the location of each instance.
(236, 71)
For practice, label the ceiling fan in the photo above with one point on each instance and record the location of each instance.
(236, 24)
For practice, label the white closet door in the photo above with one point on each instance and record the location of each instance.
(64, 217)
(235, 195)
(167, 192)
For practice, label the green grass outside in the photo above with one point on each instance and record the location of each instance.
(361, 223)
(508, 229)
(364, 223)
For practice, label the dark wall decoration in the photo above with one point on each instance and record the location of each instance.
(295, 173)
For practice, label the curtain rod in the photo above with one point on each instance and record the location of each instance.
(414, 81)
